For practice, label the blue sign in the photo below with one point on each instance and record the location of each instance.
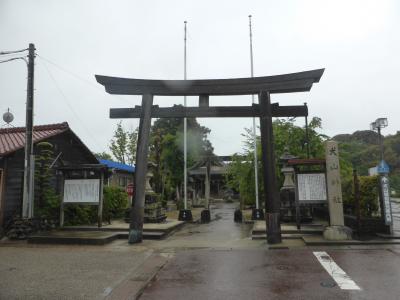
(383, 167)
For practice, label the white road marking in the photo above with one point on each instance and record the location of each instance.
(340, 276)
(107, 291)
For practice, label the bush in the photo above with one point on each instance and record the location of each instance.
(115, 201)
(369, 195)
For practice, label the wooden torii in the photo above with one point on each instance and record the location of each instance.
(262, 86)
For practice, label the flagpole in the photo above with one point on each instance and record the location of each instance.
(254, 119)
(185, 129)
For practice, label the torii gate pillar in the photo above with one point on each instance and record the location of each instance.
(271, 196)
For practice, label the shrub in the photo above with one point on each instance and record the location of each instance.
(369, 195)
(115, 201)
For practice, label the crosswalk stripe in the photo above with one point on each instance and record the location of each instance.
(340, 276)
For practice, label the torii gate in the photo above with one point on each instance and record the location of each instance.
(263, 86)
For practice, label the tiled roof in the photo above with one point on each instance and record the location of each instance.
(13, 139)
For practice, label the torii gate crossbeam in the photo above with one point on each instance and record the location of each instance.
(262, 86)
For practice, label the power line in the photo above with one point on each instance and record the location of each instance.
(13, 52)
(95, 86)
(14, 58)
(70, 106)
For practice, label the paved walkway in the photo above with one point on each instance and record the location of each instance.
(202, 261)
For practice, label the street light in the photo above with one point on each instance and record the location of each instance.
(378, 125)
(383, 170)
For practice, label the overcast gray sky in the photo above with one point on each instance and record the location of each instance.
(357, 42)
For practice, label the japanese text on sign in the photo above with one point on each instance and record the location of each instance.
(81, 191)
(311, 187)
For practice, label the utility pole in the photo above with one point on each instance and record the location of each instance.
(27, 202)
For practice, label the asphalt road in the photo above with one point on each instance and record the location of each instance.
(205, 261)
(251, 271)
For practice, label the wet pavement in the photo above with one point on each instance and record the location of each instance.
(229, 265)
(221, 232)
(275, 274)
(217, 260)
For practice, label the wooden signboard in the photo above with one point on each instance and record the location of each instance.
(311, 187)
(82, 191)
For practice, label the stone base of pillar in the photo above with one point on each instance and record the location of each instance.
(238, 216)
(337, 233)
(205, 216)
(273, 228)
(257, 214)
(135, 236)
(185, 215)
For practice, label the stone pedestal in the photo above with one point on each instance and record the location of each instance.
(238, 216)
(205, 216)
(257, 214)
(185, 215)
(337, 233)
(336, 230)
(153, 211)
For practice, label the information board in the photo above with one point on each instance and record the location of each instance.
(311, 187)
(387, 209)
(81, 191)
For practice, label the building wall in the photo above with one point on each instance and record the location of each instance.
(120, 179)
(73, 152)
(13, 185)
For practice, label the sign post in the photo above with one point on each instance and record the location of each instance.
(130, 191)
(383, 170)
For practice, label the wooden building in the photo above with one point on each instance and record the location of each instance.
(119, 174)
(68, 149)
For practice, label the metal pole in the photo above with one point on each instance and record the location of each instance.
(185, 131)
(27, 200)
(254, 119)
(380, 142)
(356, 184)
(307, 137)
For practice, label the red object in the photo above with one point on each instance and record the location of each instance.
(129, 189)
(13, 139)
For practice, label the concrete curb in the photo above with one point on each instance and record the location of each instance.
(134, 285)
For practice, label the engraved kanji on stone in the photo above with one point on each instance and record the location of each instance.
(332, 151)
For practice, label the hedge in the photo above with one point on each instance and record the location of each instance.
(369, 196)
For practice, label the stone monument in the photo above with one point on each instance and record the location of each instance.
(153, 211)
(336, 230)
(287, 192)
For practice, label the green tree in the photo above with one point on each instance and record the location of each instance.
(166, 150)
(46, 199)
(287, 135)
(131, 146)
(103, 155)
(123, 145)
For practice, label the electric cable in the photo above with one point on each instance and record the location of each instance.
(95, 86)
(70, 107)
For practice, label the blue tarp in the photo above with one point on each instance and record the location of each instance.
(116, 165)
